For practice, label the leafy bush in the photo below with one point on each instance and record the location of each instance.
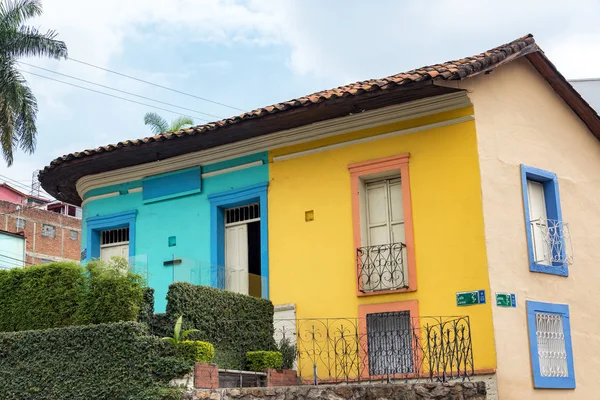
(161, 325)
(113, 293)
(233, 323)
(259, 360)
(195, 350)
(107, 361)
(288, 352)
(147, 307)
(40, 296)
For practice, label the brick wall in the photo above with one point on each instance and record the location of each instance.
(41, 248)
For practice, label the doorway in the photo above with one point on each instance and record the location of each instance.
(242, 250)
(114, 243)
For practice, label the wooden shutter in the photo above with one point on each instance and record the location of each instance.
(538, 222)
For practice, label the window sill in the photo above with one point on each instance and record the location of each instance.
(560, 270)
(384, 292)
(555, 383)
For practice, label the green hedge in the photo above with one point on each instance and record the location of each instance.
(195, 350)
(40, 296)
(233, 323)
(107, 361)
(61, 294)
(259, 360)
(147, 307)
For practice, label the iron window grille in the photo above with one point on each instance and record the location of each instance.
(20, 224)
(389, 340)
(556, 242)
(242, 213)
(381, 267)
(48, 231)
(552, 352)
(114, 236)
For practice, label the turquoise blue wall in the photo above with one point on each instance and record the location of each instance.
(187, 218)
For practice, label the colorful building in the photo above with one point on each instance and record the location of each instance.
(411, 221)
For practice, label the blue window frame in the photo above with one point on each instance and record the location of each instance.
(549, 183)
(234, 198)
(95, 225)
(555, 315)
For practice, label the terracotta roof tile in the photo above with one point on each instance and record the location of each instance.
(452, 70)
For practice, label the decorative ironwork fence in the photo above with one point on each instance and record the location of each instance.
(384, 347)
(381, 267)
(557, 241)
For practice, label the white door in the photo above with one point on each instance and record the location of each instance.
(542, 253)
(117, 250)
(236, 258)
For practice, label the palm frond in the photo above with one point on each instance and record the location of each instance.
(15, 13)
(187, 332)
(26, 117)
(180, 123)
(156, 122)
(28, 41)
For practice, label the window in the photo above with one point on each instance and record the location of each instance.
(114, 243)
(382, 220)
(389, 340)
(73, 235)
(548, 239)
(550, 345)
(20, 224)
(48, 231)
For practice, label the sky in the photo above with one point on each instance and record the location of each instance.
(252, 53)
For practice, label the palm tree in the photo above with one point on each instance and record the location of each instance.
(159, 125)
(18, 106)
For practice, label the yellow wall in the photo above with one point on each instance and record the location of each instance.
(312, 264)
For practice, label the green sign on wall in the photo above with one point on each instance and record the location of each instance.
(470, 298)
(506, 300)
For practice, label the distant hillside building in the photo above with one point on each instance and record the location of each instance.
(51, 230)
(12, 250)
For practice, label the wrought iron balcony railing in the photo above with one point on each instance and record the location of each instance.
(382, 347)
(381, 267)
(552, 242)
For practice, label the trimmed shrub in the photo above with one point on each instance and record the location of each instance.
(195, 350)
(40, 296)
(288, 352)
(147, 307)
(259, 360)
(108, 361)
(113, 293)
(161, 325)
(233, 323)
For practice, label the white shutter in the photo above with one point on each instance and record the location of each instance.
(385, 225)
(236, 258)
(120, 250)
(538, 221)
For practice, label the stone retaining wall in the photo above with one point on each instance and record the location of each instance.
(418, 391)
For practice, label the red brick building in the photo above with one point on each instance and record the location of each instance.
(49, 236)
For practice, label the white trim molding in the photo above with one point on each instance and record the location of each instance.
(377, 137)
(232, 169)
(307, 133)
(98, 197)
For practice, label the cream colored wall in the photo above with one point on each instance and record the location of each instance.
(520, 119)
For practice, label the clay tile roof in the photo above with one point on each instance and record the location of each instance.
(451, 70)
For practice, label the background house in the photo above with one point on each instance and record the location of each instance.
(12, 250)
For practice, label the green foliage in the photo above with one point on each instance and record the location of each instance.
(178, 335)
(288, 352)
(40, 296)
(161, 325)
(159, 125)
(195, 350)
(233, 323)
(18, 105)
(259, 360)
(113, 293)
(147, 307)
(61, 294)
(107, 361)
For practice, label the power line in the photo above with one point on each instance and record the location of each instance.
(154, 84)
(20, 186)
(112, 95)
(119, 90)
(15, 259)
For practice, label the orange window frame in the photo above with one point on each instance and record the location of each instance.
(364, 169)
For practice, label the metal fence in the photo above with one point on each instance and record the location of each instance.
(381, 347)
